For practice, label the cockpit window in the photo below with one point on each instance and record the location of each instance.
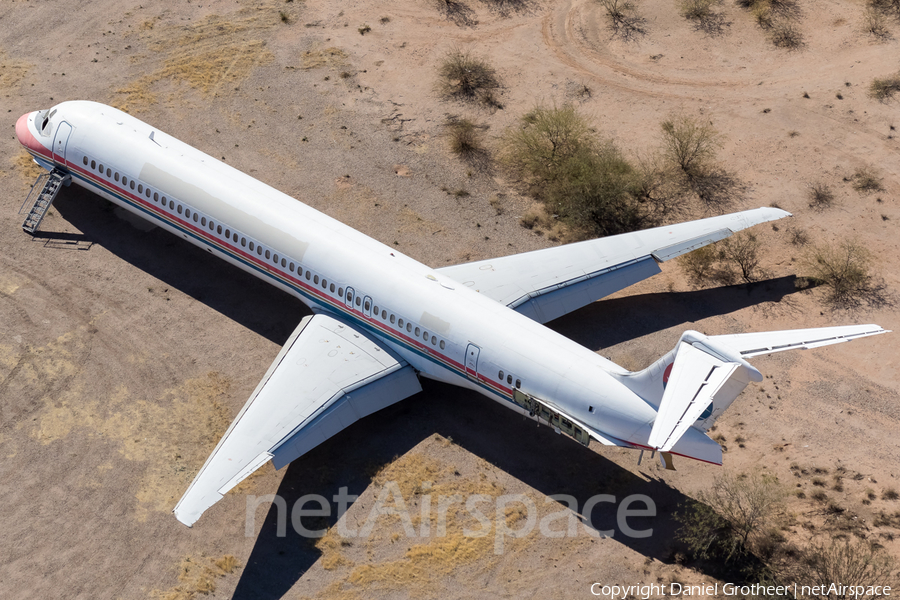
(42, 121)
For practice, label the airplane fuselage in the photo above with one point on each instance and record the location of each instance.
(444, 329)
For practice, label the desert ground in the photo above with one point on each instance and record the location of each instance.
(125, 352)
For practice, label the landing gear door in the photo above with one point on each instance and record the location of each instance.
(60, 142)
(472, 352)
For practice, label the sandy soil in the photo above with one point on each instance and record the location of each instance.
(124, 352)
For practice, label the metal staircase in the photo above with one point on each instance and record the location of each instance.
(49, 185)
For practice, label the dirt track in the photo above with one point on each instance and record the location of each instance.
(124, 353)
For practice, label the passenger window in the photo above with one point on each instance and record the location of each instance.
(315, 279)
(376, 311)
(383, 314)
(243, 241)
(155, 197)
(400, 324)
(195, 217)
(332, 288)
(509, 379)
(93, 164)
(324, 283)
(501, 375)
(251, 245)
(284, 263)
(307, 275)
(124, 180)
(417, 332)
(140, 189)
(227, 233)
(433, 340)
(147, 192)
(392, 319)
(131, 184)
(268, 254)
(203, 222)
(116, 176)
(367, 305)
(408, 326)
(100, 169)
(108, 171)
(187, 213)
(518, 383)
(442, 344)
(179, 206)
(358, 301)
(341, 292)
(259, 250)
(164, 200)
(219, 229)
(275, 258)
(291, 267)
(84, 160)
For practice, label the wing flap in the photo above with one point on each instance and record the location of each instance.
(323, 362)
(549, 283)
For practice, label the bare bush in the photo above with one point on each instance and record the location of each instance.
(705, 19)
(786, 35)
(874, 22)
(689, 143)
(889, 8)
(852, 563)
(866, 180)
(700, 264)
(624, 20)
(457, 12)
(820, 196)
(729, 517)
(884, 89)
(465, 77)
(846, 270)
(465, 141)
(743, 250)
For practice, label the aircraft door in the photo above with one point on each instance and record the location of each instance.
(367, 306)
(472, 352)
(60, 141)
(348, 297)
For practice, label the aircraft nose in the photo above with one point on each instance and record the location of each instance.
(26, 138)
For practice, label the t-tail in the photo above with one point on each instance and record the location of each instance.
(693, 384)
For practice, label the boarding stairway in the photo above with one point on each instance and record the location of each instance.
(49, 185)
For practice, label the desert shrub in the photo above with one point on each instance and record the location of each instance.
(705, 19)
(874, 22)
(743, 250)
(729, 517)
(846, 270)
(889, 494)
(457, 12)
(820, 196)
(690, 144)
(889, 8)
(785, 34)
(584, 179)
(624, 20)
(465, 139)
(865, 180)
(700, 264)
(466, 77)
(850, 562)
(884, 89)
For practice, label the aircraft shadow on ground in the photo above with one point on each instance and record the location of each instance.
(180, 265)
(549, 463)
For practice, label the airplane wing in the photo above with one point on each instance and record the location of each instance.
(767, 342)
(326, 377)
(546, 284)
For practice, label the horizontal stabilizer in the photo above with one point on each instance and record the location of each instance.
(768, 342)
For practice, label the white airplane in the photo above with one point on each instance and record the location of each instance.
(383, 320)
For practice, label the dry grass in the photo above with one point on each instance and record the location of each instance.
(208, 56)
(197, 576)
(26, 167)
(884, 89)
(323, 57)
(12, 71)
(820, 196)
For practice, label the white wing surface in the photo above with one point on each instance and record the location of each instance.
(546, 284)
(767, 342)
(326, 377)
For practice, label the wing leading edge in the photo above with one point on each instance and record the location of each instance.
(546, 284)
(326, 377)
